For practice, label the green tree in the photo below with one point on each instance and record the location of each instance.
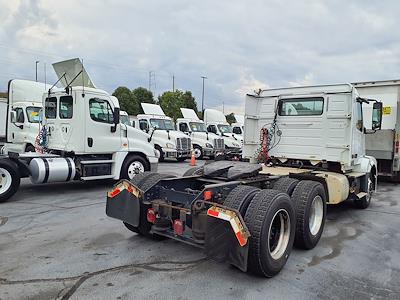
(126, 100)
(230, 118)
(142, 95)
(171, 102)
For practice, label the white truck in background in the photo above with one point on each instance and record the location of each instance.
(384, 144)
(81, 137)
(3, 120)
(238, 126)
(216, 123)
(23, 115)
(167, 140)
(124, 117)
(204, 143)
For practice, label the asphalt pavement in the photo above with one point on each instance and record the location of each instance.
(57, 243)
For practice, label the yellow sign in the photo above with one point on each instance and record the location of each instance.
(387, 110)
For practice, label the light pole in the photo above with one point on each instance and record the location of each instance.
(202, 95)
(36, 63)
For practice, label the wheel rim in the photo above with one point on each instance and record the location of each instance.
(5, 180)
(316, 215)
(135, 168)
(197, 152)
(279, 234)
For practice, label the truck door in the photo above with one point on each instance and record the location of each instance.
(358, 142)
(99, 122)
(17, 129)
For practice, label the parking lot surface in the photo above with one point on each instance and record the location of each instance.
(57, 243)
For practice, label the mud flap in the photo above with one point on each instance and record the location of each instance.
(123, 203)
(222, 245)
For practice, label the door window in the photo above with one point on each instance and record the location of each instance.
(66, 107)
(50, 107)
(183, 127)
(212, 128)
(144, 125)
(33, 113)
(237, 130)
(359, 117)
(19, 115)
(101, 111)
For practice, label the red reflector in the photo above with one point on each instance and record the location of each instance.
(151, 215)
(179, 227)
(207, 195)
(115, 192)
(397, 143)
(213, 213)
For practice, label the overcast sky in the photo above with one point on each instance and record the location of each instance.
(239, 45)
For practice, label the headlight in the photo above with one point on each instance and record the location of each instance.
(170, 145)
(208, 145)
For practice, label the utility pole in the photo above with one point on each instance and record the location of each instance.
(202, 95)
(45, 74)
(152, 79)
(173, 83)
(223, 107)
(36, 64)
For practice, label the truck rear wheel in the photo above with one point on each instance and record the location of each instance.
(10, 179)
(199, 170)
(270, 219)
(144, 183)
(240, 197)
(310, 202)
(286, 185)
(133, 165)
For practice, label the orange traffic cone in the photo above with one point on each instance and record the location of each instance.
(193, 160)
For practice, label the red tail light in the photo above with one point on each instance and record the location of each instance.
(179, 227)
(151, 215)
(208, 195)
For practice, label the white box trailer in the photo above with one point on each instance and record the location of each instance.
(384, 144)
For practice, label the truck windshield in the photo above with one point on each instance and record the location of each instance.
(197, 127)
(162, 124)
(33, 114)
(225, 128)
(124, 119)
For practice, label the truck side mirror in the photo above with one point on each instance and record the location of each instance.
(116, 118)
(377, 116)
(13, 116)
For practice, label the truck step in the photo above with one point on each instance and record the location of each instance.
(361, 194)
(92, 162)
(97, 177)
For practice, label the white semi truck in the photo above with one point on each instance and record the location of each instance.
(81, 137)
(204, 143)
(238, 127)
(251, 214)
(384, 144)
(216, 123)
(3, 120)
(23, 115)
(167, 140)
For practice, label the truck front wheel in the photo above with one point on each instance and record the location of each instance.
(270, 219)
(10, 179)
(133, 165)
(310, 202)
(198, 152)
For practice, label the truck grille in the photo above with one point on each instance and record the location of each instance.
(183, 143)
(219, 144)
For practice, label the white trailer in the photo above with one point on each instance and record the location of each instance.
(81, 137)
(204, 143)
(384, 144)
(167, 140)
(216, 123)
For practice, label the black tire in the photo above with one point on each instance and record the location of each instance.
(286, 185)
(240, 197)
(132, 228)
(30, 148)
(162, 155)
(181, 159)
(365, 201)
(199, 149)
(128, 161)
(266, 208)
(199, 170)
(303, 196)
(139, 178)
(8, 171)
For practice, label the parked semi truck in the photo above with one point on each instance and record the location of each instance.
(251, 214)
(384, 144)
(3, 120)
(81, 137)
(23, 115)
(204, 143)
(167, 140)
(216, 123)
(238, 127)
